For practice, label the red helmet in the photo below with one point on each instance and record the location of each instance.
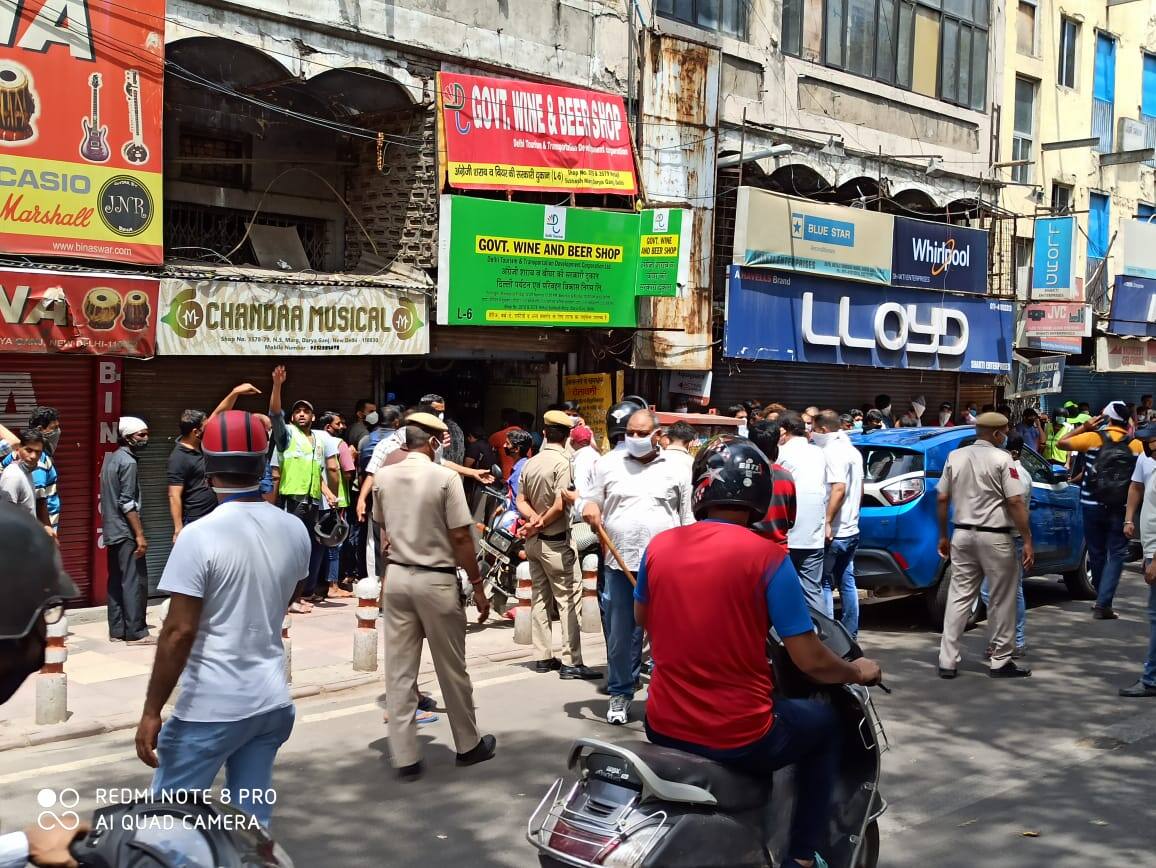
(235, 443)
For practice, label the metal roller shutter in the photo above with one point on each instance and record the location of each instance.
(160, 389)
(66, 383)
(842, 388)
(1085, 384)
(470, 341)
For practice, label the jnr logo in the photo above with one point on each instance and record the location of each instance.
(49, 801)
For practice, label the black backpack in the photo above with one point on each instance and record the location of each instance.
(1110, 475)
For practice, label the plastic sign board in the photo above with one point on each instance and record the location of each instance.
(1138, 245)
(1054, 260)
(939, 256)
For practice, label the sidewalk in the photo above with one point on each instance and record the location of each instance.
(107, 680)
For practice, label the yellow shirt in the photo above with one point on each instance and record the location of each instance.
(1090, 440)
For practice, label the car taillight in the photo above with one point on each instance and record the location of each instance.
(903, 491)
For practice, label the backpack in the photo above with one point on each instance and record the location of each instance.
(1110, 475)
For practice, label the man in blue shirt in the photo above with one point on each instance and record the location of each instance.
(519, 443)
(44, 477)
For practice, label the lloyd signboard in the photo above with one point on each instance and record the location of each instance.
(1133, 307)
(779, 316)
(776, 231)
(228, 318)
(1054, 260)
(80, 129)
(503, 134)
(939, 256)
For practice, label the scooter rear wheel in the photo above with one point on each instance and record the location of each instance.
(869, 851)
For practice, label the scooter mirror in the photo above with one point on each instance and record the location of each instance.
(496, 471)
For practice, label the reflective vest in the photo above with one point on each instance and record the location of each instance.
(300, 469)
(1056, 433)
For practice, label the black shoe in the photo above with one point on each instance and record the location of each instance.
(585, 673)
(1010, 670)
(1138, 690)
(551, 665)
(483, 751)
(647, 667)
(947, 673)
(425, 702)
(1107, 613)
(409, 774)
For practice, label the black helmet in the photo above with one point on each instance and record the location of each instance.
(731, 471)
(34, 577)
(618, 415)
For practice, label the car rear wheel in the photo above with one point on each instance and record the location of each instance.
(937, 603)
(1079, 581)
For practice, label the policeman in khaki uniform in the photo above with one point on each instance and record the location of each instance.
(982, 484)
(549, 552)
(425, 526)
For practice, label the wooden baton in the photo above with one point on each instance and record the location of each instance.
(601, 531)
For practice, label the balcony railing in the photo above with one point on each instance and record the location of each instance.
(1149, 135)
(1102, 118)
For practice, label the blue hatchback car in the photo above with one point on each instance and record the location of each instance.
(898, 526)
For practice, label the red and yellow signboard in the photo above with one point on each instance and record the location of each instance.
(80, 128)
(99, 314)
(502, 134)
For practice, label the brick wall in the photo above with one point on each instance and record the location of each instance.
(399, 204)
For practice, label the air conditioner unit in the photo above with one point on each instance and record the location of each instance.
(1132, 134)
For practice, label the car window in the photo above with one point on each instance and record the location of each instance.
(1039, 469)
(887, 462)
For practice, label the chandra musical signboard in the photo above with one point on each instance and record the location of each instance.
(80, 128)
(503, 134)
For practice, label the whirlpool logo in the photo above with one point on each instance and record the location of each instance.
(941, 256)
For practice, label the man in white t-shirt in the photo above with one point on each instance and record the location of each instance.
(231, 577)
(844, 497)
(806, 540)
(1142, 504)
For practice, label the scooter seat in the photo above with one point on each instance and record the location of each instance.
(735, 792)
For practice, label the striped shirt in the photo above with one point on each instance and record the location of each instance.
(780, 515)
(44, 480)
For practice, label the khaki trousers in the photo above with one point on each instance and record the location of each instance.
(975, 554)
(420, 604)
(554, 573)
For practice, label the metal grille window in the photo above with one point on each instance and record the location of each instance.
(1069, 39)
(206, 233)
(725, 16)
(1023, 129)
(209, 158)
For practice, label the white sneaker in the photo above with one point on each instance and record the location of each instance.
(619, 712)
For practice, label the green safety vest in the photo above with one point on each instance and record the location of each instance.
(1056, 433)
(300, 469)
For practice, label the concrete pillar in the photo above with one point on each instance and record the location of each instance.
(590, 615)
(365, 642)
(287, 644)
(523, 626)
(51, 682)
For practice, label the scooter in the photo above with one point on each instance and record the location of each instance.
(638, 805)
(500, 549)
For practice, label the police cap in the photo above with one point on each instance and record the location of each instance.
(991, 420)
(428, 421)
(557, 417)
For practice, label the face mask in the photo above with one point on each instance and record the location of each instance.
(743, 430)
(944, 417)
(1001, 440)
(51, 441)
(509, 450)
(139, 445)
(857, 425)
(442, 416)
(371, 419)
(639, 447)
(919, 409)
(809, 427)
(820, 438)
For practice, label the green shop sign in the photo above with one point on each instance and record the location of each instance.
(510, 263)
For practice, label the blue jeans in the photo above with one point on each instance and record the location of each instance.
(1149, 676)
(1107, 550)
(805, 734)
(191, 753)
(809, 565)
(318, 564)
(623, 636)
(839, 566)
(1021, 604)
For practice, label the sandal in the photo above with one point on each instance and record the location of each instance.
(300, 608)
(339, 593)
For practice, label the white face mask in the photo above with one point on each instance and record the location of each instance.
(857, 425)
(371, 419)
(639, 447)
(944, 417)
(820, 438)
(442, 416)
(743, 430)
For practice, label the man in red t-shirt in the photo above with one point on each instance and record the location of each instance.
(708, 619)
(498, 441)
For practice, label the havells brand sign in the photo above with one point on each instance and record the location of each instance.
(939, 256)
(780, 316)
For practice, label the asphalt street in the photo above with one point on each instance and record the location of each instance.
(1049, 771)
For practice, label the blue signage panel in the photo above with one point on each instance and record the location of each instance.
(939, 256)
(788, 317)
(1134, 307)
(1053, 260)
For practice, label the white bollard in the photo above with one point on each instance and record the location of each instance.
(52, 683)
(365, 636)
(523, 625)
(590, 616)
(287, 644)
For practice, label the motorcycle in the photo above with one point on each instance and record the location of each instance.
(639, 805)
(500, 549)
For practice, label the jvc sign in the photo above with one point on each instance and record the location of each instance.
(1054, 260)
(780, 316)
(939, 256)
